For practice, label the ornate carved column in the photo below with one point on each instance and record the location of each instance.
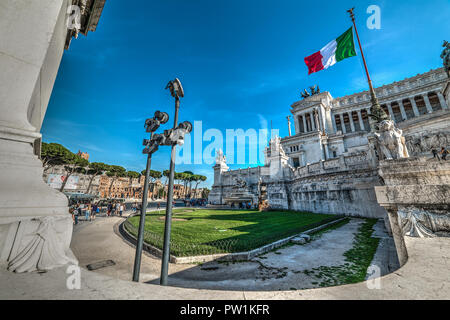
(427, 103)
(442, 100)
(414, 106)
(402, 110)
(361, 122)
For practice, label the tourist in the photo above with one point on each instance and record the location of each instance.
(158, 206)
(444, 153)
(71, 211)
(108, 209)
(77, 213)
(87, 212)
(435, 154)
(94, 211)
(121, 208)
(117, 207)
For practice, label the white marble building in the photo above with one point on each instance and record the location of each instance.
(327, 166)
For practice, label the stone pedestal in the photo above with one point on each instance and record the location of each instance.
(416, 195)
(35, 225)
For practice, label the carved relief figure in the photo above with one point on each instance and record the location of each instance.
(240, 183)
(391, 140)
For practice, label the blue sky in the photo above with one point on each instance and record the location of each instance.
(240, 62)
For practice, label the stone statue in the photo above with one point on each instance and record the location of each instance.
(240, 183)
(305, 94)
(275, 147)
(314, 91)
(220, 157)
(391, 141)
(446, 57)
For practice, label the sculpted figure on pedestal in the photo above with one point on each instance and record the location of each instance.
(220, 157)
(446, 57)
(391, 141)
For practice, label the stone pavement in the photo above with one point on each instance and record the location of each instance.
(425, 275)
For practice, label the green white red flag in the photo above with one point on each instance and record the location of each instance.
(337, 50)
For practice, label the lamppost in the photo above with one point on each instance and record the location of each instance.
(151, 145)
(172, 137)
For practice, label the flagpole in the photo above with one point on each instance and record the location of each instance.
(376, 111)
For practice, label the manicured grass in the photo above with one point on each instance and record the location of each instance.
(357, 260)
(214, 231)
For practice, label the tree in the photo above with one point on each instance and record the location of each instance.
(95, 169)
(72, 163)
(53, 154)
(198, 178)
(115, 172)
(185, 177)
(132, 175)
(205, 193)
(153, 177)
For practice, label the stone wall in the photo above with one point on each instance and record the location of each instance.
(416, 196)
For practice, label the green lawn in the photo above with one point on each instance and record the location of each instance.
(216, 231)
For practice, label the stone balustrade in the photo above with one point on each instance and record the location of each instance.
(342, 163)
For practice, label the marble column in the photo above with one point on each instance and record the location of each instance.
(391, 113)
(352, 124)
(305, 128)
(311, 116)
(402, 110)
(427, 103)
(341, 116)
(442, 100)
(333, 117)
(297, 125)
(414, 106)
(361, 122)
(35, 224)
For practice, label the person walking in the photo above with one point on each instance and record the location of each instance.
(444, 154)
(121, 207)
(94, 211)
(87, 212)
(118, 208)
(108, 208)
(435, 154)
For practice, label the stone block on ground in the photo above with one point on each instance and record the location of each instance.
(306, 237)
(298, 240)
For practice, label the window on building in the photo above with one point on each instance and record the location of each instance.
(296, 162)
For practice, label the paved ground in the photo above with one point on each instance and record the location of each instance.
(281, 269)
(96, 241)
(425, 276)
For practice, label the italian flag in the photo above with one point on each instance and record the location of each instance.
(337, 50)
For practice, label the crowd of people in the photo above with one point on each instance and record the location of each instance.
(89, 210)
